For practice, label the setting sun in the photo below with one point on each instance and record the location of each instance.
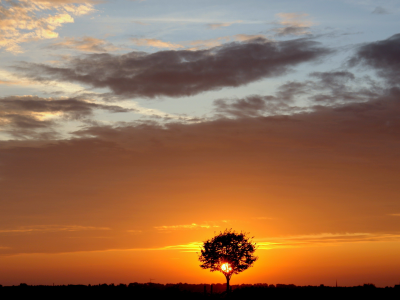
(226, 268)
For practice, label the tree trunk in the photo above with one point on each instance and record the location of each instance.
(227, 283)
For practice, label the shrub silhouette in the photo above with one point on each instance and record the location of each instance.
(228, 252)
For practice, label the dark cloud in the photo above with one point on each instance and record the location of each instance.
(182, 73)
(373, 117)
(339, 86)
(75, 108)
(383, 56)
(292, 30)
(331, 88)
(333, 79)
(22, 115)
(252, 106)
(288, 91)
(326, 88)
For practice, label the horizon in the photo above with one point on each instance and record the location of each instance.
(133, 131)
(221, 285)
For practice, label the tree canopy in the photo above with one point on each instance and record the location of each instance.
(229, 252)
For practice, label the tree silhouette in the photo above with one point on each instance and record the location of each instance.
(228, 252)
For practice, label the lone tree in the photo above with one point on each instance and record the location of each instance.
(228, 252)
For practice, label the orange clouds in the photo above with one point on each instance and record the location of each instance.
(30, 20)
(293, 24)
(155, 43)
(88, 44)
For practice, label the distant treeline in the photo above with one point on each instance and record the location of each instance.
(194, 291)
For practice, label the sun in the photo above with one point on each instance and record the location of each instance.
(226, 268)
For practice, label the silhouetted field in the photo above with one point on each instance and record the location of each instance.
(196, 291)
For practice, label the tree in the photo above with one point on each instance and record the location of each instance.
(228, 252)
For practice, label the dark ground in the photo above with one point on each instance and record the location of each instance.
(191, 291)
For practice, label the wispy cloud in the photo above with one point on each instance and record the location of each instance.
(219, 25)
(196, 44)
(311, 240)
(190, 226)
(155, 43)
(293, 24)
(190, 247)
(9, 78)
(323, 239)
(51, 228)
(27, 116)
(86, 43)
(210, 43)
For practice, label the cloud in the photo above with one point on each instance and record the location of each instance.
(182, 73)
(196, 44)
(191, 226)
(155, 43)
(325, 88)
(190, 247)
(11, 78)
(293, 24)
(24, 21)
(216, 42)
(381, 56)
(88, 44)
(324, 239)
(251, 106)
(51, 228)
(376, 119)
(249, 37)
(210, 43)
(60, 2)
(379, 10)
(282, 242)
(340, 86)
(294, 19)
(311, 240)
(22, 116)
(219, 25)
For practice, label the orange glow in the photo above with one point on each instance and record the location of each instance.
(290, 203)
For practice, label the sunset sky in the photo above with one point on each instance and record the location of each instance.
(132, 131)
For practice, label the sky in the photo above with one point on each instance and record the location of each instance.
(133, 131)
